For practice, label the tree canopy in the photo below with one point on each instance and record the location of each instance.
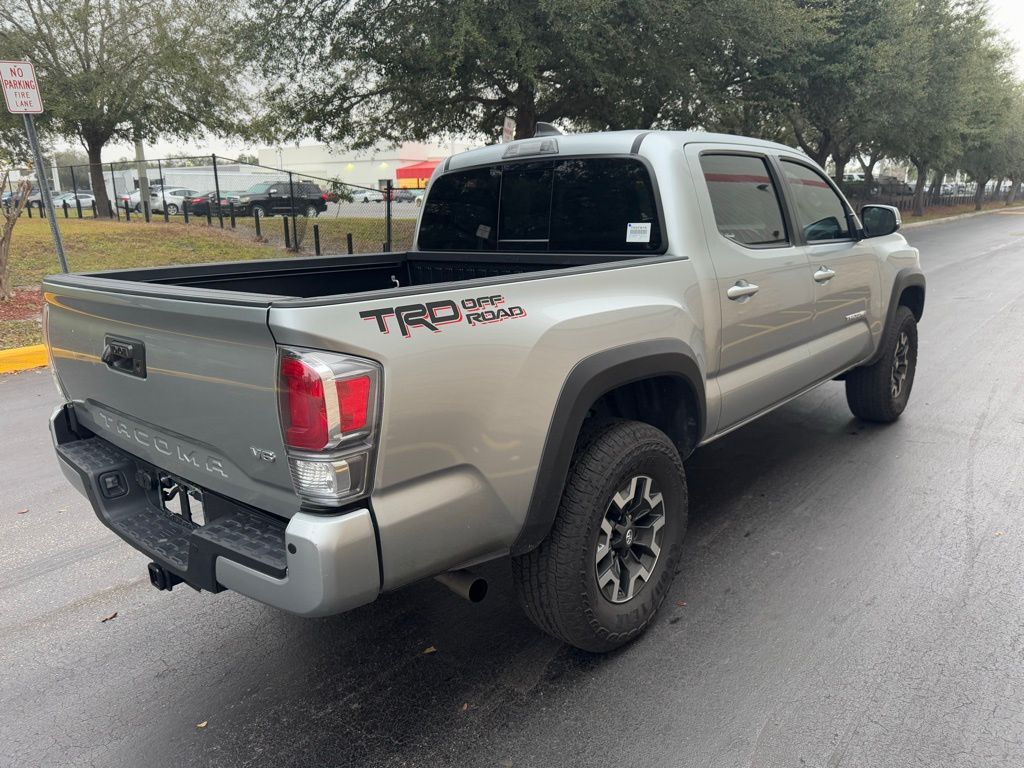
(124, 70)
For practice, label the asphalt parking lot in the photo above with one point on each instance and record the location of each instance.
(850, 595)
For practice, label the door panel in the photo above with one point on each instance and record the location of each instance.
(843, 270)
(765, 333)
(843, 303)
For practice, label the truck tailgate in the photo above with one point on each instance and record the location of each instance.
(187, 385)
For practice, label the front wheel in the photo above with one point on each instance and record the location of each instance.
(880, 392)
(172, 209)
(598, 578)
(258, 212)
(311, 212)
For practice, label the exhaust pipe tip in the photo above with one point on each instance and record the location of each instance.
(465, 584)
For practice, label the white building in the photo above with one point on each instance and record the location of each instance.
(366, 168)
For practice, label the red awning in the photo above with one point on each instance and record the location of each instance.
(421, 170)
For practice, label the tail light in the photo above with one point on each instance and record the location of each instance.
(325, 197)
(329, 405)
(197, 200)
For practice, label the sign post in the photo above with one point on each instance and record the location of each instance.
(508, 130)
(22, 96)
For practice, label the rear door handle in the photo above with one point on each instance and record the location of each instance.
(742, 290)
(824, 274)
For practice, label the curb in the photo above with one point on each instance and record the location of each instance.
(971, 215)
(23, 358)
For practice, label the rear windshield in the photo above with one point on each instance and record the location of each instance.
(574, 204)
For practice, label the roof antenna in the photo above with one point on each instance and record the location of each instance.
(546, 129)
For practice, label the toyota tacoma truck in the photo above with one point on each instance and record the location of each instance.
(576, 315)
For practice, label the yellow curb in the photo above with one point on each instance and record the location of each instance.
(22, 358)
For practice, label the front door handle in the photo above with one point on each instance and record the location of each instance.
(824, 274)
(742, 290)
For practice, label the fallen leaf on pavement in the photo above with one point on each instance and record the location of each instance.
(63, 509)
(111, 617)
(465, 707)
(1000, 533)
(202, 724)
(680, 604)
(431, 649)
(22, 511)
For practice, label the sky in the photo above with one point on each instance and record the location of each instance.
(1007, 16)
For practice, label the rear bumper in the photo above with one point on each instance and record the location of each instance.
(311, 565)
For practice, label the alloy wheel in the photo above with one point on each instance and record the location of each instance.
(900, 365)
(629, 543)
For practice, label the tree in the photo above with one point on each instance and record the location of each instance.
(118, 70)
(991, 132)
(947, 49)
(373, 70)
(837, 92)
(11, 213)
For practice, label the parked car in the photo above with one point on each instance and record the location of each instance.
(86, 199)
(368, 196)
(134, 199)
(172, 197)
(545, 378)
(853, 176)
(404, 196)
(267, 198)
(201, 204)
(893, 185)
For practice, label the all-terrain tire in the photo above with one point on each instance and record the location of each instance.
(880, 392)
(557, 582)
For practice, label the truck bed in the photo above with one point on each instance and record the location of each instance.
(313, 277)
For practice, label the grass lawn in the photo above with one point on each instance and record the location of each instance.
(97, 244)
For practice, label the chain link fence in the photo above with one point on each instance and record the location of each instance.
(299, 212)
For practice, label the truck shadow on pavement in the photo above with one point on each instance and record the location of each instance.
(422, 678)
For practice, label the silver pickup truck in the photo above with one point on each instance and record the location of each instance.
(577, 314)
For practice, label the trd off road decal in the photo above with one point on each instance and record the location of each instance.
(434, 315)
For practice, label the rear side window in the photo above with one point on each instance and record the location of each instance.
(571, 205)
(461, 213)
(819, 211)
(744, 199)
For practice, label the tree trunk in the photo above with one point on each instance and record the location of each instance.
(936, 188)
(922, 179)
(1011, 196)
(869, 171)
(99, 188)
(11, 214)
(840, 160)
(979, 194)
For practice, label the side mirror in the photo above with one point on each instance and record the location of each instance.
(271, 192)
(880, 220)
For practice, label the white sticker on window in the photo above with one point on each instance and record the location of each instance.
(483, 231)
(638, 232)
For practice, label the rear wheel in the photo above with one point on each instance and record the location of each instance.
(311, 211)
(172, 209)
(607, 564)
(880, 392)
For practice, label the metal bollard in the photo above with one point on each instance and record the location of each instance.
(127, 211)
(348, 239)
(316, 239)
(231, 212)
(256, 221)
(287, 236)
